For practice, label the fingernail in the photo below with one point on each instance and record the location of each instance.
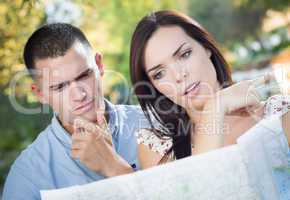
(100, 119)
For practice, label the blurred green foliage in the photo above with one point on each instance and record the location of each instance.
(109, 26)
(121, 18)
(234, 20)
(17, 20)
(117, 20)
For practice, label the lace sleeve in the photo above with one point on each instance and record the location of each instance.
(276, 142)
(156, 144)
(277, 105)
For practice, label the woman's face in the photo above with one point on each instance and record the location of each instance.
(180, 68)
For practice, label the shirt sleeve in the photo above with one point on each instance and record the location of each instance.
(19, 187)
(156, 144)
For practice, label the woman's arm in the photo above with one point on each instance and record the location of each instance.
(209, 133)
(286, 125)
(147, 157)
(235, 99)
(151, 149)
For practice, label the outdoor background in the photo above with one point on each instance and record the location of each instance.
(253, 35)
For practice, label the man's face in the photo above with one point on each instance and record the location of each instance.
(71, 84)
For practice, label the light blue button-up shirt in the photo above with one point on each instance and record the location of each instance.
(47, 162)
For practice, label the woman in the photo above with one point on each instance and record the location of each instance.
(183, 82)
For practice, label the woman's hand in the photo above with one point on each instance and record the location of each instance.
(242, 96)
(236, 99)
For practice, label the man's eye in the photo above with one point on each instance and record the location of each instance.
(186, 54)
(158, 75)
(60, 87)
(85, 75)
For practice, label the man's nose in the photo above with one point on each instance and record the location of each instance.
(77, 93)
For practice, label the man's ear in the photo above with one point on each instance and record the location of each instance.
(38, 93)
(99, 62)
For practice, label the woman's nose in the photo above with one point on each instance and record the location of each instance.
(181, 76)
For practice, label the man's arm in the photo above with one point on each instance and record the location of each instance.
(19, 187)
(116, 165)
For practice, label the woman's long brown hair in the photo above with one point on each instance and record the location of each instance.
(176, 123)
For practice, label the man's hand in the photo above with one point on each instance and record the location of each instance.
(90, 146)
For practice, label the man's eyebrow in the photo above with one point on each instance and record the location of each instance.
(174, 54)
(83, 73)
(65, 82)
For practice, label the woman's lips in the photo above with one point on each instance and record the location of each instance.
(192, 89)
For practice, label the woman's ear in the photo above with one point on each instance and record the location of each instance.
(208, 52)
(37, 92)
(99, 62)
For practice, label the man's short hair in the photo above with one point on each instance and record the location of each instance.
(51, 41)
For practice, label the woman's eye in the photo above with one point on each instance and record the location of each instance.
(158, 75)
(186, 54)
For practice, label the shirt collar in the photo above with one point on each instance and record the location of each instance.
(64, 137)
(113, 117)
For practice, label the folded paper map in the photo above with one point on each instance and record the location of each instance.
(257, 167)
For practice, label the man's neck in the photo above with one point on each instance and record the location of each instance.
(67, 126)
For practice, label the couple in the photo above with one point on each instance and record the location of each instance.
(183, 85)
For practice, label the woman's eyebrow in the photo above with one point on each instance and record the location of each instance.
(179, 48)
(154, 68)
(174, 54)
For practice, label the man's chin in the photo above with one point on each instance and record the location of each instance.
(90, 116)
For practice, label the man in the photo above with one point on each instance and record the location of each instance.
(68, 78)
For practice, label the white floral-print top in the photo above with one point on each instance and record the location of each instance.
(275, 105)
(156, 144)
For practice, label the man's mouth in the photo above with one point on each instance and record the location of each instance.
(192, 88)
(84, 107)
